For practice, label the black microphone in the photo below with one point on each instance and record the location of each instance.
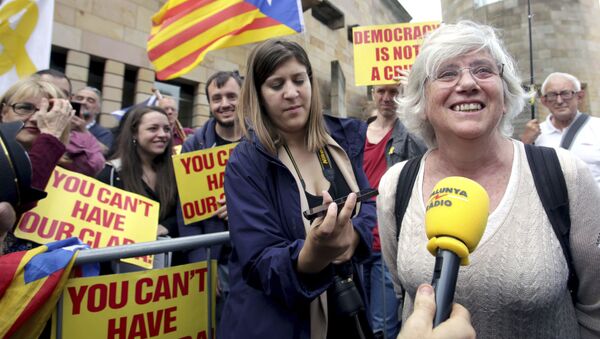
(455, 219)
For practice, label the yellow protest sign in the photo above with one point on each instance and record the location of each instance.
(200, 176)
(165, 303)
(98, 214)
(380, 52)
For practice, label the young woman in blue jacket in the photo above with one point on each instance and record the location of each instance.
(283, 266)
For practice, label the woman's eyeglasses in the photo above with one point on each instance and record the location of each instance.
(565, 95)
(24, 108)
(450, 76)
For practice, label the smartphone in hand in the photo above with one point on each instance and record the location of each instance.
(321, 210)
(77, 107)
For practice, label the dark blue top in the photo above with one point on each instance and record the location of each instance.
(268, 297)
(102, 134)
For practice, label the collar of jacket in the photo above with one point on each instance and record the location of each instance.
(207, 135)
(349, 133)
(115, 163)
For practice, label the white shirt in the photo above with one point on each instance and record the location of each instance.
(586, 144)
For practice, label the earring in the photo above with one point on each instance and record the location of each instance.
(134, 140)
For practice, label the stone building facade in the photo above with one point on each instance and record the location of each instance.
(103, 43)
(564, 39)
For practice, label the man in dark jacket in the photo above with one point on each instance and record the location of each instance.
(387, 142)
(222, 92)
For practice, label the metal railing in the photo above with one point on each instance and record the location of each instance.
(147, 248)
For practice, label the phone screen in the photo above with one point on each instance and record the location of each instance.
(77, 107)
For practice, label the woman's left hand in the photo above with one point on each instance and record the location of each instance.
(332, 239)
(55, 120)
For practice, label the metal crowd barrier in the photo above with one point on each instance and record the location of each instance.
(147, 248)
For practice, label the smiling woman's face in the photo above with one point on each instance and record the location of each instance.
(469, 109)
(286, 96)
(153, 135)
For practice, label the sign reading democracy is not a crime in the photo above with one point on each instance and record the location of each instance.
(380, 52)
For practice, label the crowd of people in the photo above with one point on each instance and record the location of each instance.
(355, 271)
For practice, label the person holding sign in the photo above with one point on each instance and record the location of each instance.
(45, 112)
(142, 163)
(222, 92)
(282, 264)
(462, 95)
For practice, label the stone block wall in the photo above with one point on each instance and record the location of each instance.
(116, 30)
(564, 36)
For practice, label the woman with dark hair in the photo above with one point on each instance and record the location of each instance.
(285, 269)
(142, 163)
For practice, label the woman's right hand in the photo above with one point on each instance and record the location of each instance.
(332, 238)
(402, 78)
(420, 323)
(531, 132)
(55, 120)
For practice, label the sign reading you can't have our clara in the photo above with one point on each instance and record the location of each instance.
(200, 177)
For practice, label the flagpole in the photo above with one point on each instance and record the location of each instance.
(531, 79)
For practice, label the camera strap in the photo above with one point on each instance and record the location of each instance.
(324, 161)
(326, 166)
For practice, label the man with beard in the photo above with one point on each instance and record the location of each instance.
(222, 92)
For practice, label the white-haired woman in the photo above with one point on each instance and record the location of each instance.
(462, 95)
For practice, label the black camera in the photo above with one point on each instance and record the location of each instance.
(15, 168)
(346, 297)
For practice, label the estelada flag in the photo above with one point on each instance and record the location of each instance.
(183, 31)
(30, 284)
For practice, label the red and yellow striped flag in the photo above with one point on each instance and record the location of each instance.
(183, 31)
(30, 284)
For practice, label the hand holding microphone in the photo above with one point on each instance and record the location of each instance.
(455, 219)
(419, 324)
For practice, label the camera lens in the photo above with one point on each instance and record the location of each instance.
(347, 300)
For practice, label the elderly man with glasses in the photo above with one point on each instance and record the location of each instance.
(566, 127)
